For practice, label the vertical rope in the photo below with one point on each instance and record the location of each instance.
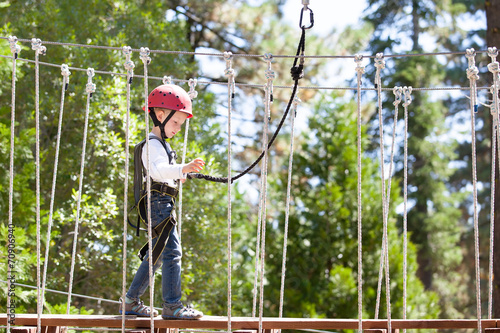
(296, 102)
(15, 49)
(384, 257)
(129, 66)
(268, 58)
(65, 73)
(144, 55)
(192, 94)
(472, 75)
(90, 89)
(494, 68)
(407, 102)
(229, 73)
(36, 45)
(360, 69)
(270, 75)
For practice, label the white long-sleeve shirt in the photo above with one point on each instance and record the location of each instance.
(161, 170)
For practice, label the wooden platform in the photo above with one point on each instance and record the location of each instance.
(241, 323)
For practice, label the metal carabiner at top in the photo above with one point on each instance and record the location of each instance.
(311, 17)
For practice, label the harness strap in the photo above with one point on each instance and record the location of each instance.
(162, 231)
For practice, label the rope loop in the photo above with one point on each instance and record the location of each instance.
(229, 71)
(14, 48)
(65, 70)
(167, 79)
(358, 58)
(398, 92)
(493, 67)
(270, 76)
(65, 73)
(472, 71)
(407, 93)
(128, 64)
(192, 92)
(90, 87)
(379, 61)
(36, 45)
(144, 55)
(493, 53)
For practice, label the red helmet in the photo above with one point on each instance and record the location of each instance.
(172, 97)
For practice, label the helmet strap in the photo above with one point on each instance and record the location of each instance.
(162, 125)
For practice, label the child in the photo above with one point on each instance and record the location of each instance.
(169, 106)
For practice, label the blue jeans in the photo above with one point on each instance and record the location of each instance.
(170, 258)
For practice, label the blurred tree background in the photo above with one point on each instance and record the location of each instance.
(322, 243)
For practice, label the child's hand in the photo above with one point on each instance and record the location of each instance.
(195, 165)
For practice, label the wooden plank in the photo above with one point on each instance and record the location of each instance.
(23, 329)
(244, 323)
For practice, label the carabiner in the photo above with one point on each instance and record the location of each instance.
(311, 17)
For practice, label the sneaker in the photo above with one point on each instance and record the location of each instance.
(137, 308)
(179, 311)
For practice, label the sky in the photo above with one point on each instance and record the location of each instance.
(328, 14)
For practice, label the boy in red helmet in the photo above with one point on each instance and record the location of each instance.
(169, 106)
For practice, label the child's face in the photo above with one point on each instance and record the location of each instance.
(174, 124)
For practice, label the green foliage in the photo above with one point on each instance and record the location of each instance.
(321, 275)
(99, 249)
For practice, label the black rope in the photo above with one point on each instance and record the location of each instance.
(297, 72)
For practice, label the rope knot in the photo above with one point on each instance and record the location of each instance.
(65, 70)
(36, 45)
(379, 61)
(493, 53)
(128, 64)
(229, 71)
(192, 84)
(398, 92)
(167, 79)
(297, 72)
(358, 58)
(228, 56)
(472, 71)
(90, 87)
(14, 48)
(407, 94)
(144, 55)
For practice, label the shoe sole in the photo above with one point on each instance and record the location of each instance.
(133, 313)
(180, 318)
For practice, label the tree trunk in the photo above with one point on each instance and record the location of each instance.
(492, 8)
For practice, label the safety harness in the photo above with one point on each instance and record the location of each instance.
(162, 230)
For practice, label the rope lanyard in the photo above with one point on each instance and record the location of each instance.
(297, 74)
(15, 49)
(472, 75)
(407, 94)
(296, 102)
(229, 73)
(90, 89)
(360, 70)
(129, 66)
(36, 45)
(144, 55)
(494, 68)
(65, 82)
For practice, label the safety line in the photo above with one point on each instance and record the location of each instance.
(247, 55)
(249, 85)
